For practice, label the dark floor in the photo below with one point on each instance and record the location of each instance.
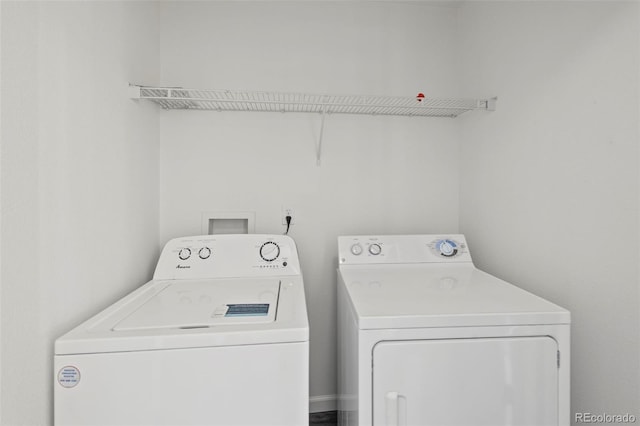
(327, 418)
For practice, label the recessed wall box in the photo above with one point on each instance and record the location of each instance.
(228, 222)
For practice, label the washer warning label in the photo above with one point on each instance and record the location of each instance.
(68, 376)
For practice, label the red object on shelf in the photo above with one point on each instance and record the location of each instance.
(420, 97)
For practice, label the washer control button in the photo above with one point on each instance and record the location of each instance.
(184, 253)
(204, 253)
(269, 251)
(356, 249)
(375, 249)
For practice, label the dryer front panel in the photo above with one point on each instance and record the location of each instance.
(486, 381)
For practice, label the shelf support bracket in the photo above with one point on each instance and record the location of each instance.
(491, 104)
(319, 144)
(134, 91)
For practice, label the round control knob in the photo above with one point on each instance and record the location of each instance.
(204, 253)
(184, 253)
(356, 249)
(269, 251)
(375, 249)
(447, 248)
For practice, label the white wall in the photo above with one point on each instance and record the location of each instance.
(549, 182)
(378, 174)
(546, 187)
(79, 179)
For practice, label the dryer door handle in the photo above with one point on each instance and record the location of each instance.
(391, 402)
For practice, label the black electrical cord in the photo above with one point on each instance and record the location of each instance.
(288, 220)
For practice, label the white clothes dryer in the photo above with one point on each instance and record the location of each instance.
(425, 338)
(220, 336)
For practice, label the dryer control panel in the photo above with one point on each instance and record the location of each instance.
(392, 249)
(221, 256)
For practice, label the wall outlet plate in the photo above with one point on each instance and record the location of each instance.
(289, 211)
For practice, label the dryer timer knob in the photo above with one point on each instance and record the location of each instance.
(447, 248)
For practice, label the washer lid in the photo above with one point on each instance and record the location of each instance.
(184, 314)
(200, 304)
(408, 296)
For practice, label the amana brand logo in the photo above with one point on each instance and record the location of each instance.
(183, 267)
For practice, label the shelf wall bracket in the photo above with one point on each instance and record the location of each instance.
(134, 91)
(491, 104)
(323, 114)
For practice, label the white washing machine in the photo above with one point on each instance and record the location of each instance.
(220, 336)
(425, 338)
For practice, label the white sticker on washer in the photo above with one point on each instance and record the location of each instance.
(68, 376)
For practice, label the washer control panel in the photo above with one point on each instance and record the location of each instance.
(390, 249)
(218, 256)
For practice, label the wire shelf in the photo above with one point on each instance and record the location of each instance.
(227, 100)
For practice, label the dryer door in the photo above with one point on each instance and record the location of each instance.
(493, 381)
